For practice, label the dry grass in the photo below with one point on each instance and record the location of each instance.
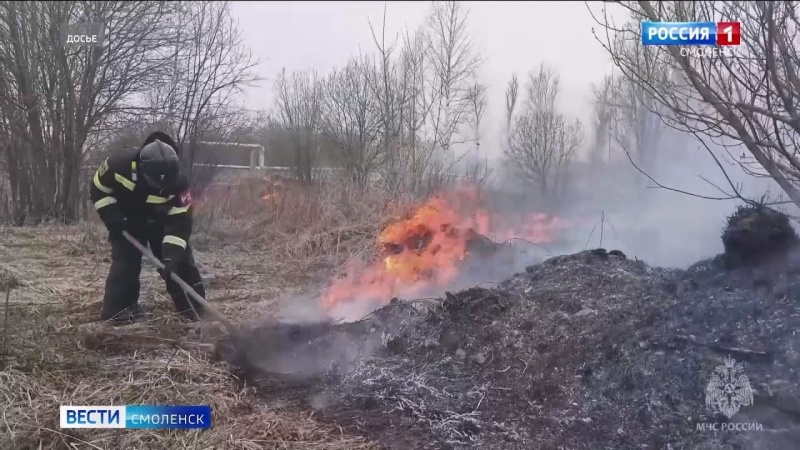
(252, 253)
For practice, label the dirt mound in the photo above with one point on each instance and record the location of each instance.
(756, 232)
(585, 351)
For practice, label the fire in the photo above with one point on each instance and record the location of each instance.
(274, 197)
(426, 248)
(273, 191)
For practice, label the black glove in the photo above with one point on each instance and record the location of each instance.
(170, 267)
(115, 229)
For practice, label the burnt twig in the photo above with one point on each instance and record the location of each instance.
(745, 354)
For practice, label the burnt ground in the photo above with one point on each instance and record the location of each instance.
(586, 351)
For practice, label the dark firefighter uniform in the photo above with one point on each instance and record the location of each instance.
(158, 213)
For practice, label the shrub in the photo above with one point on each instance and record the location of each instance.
(756, 232)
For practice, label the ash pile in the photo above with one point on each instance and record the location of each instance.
(585, 351)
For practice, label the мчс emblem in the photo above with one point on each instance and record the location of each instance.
(729, 388)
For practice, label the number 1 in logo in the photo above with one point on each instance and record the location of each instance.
(729, 33)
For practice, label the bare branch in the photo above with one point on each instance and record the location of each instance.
(749, 98)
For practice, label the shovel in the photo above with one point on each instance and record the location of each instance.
(238, 355)
(185, 286)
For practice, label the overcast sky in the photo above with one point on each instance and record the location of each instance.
(512, 36)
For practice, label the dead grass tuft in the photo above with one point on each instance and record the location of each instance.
(9, 279)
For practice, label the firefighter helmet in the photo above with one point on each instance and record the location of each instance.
(159, 165)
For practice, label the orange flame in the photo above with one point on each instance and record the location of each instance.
(271, 197)
(273, 191)
(426, 248)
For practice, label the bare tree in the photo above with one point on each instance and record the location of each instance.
(454, 61)
(422, 89)
(543, 141)
(299, 112)
(476, 95)
(637, 123)
(350, 123)
(389, 91)
(414, 151)
(512, 95)
(209, 66)
(54, 97)
(747, 98)
(603, 120)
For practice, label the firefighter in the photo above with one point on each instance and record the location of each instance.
(144, 192)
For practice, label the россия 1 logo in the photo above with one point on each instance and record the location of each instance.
(691, 33)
